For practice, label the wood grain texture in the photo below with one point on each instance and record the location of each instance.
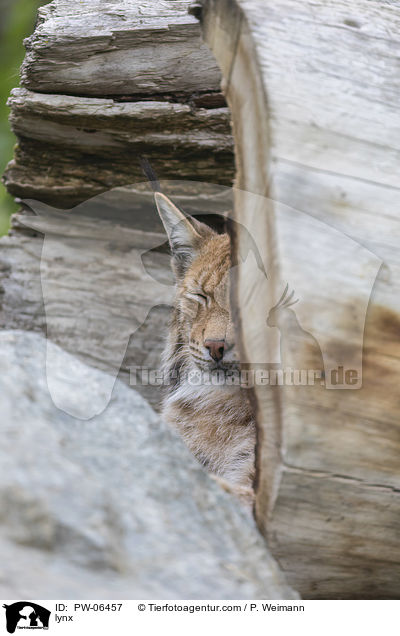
(72, 148)
(103, 48)
(320, 139)
(104, 83)
(116, 319)
(96, 279)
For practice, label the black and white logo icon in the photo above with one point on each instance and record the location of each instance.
(26, 615)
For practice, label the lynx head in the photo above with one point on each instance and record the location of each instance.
(202, 330)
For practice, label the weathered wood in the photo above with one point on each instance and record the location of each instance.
(103, 48)
(73, 148)
(112, 321)
(102, 85)
(118, 317)
(319, 137)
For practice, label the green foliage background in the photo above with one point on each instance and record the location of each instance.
(17, 22)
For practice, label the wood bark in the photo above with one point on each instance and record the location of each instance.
(72, 148)
(101, 85)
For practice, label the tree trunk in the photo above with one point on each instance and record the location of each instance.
(312, 90)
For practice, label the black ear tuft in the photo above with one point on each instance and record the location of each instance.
(150, 174)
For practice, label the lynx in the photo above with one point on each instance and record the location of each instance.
(215, 420)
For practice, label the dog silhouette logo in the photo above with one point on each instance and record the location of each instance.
(26, 615)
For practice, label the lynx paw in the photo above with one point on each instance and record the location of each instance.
(244, 494)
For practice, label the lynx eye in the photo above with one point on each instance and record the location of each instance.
(199, 298)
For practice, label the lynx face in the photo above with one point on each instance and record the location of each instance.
(201, 262)
(216, 422)
(203, 301)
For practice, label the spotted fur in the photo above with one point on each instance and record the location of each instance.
(216, 422)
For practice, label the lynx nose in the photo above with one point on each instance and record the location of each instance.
(216, 348)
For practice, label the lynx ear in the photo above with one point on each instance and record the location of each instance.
(185, 234)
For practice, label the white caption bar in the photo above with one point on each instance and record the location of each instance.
(310, 618)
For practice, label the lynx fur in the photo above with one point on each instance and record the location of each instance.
(215, 421)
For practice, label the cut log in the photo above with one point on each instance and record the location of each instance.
(102, 85)
(312, 88)
(110, 320)
(100, 283)
(102, 48)
(73, 148)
